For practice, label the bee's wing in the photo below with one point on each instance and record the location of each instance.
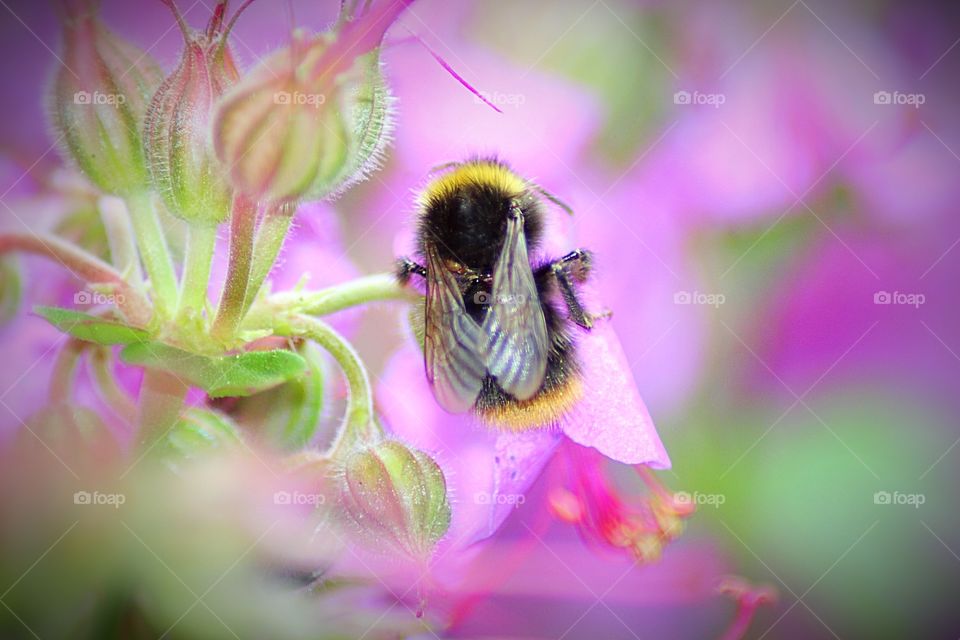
(452, 341)
(515, 332)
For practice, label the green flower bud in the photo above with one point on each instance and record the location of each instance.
(313, 118)
(98, 99)
(179, 149)
(397, 496)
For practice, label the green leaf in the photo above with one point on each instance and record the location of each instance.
(91, 328)
(239, 374)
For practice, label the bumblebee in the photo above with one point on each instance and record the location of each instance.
(498, 328)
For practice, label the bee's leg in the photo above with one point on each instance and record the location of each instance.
(573, 267)
(406, 267)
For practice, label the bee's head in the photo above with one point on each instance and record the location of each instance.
(464, 212)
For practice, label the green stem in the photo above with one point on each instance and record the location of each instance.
(162, 396)
(243, 224)
(85, 266)
(153, 249)
(270, 236)
(201, 242)
(358, 425)
(123, 244)
(379, 287)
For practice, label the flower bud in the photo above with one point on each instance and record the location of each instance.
(179, 149)
(99, 96)
(313, 118)
(397, 496)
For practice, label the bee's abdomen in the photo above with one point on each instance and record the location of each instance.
(561, 384)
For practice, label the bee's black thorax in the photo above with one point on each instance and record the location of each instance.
(467, 226)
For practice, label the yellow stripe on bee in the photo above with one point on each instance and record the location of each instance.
(542, 410)
(474, 172)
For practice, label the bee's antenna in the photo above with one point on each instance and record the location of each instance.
(554, 199)
(443, 167)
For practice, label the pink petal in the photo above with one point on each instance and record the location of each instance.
(611, 417)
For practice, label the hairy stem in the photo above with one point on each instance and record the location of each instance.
(379, 287)
(123, 244)
(201, 242)
(162, 396)
(86, 267)
(359, 425)
(154, 251)
(270, 236)
(243, 224)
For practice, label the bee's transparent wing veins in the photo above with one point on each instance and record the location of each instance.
(452, 341)
(515, 345)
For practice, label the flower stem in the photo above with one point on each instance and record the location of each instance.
(162, 397)
(153, 249)
(270, 236)
(201, 241)
(379, 287)
(85, 266)
(123, 244)
(243, 224)
(359, 425)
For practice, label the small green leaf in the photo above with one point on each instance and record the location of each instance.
(239, 374)
(91, 328)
